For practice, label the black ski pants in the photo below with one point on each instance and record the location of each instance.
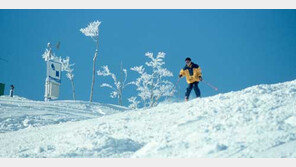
(193, 85)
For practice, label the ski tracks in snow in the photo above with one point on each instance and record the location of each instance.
(258, 121)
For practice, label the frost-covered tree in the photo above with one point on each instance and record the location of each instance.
(66, 66)
(133, 102)
(118, 84)
(154, 85)
(92, 30)
(50, 55)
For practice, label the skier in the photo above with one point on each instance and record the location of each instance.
(193, 76)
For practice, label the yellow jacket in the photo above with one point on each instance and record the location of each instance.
(191, 72)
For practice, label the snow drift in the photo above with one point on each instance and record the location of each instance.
(259, 121)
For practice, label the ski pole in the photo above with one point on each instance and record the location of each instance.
(210, 85)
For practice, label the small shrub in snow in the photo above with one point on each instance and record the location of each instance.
(118, 85)
(154, 85)
(134, 102)
(66, 66)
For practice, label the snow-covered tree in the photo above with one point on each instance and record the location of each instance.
(118, 84)
(134, 102)
(92, 30)
(66, 66)
(154, 85)
(49, 55)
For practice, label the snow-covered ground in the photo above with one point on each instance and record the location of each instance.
(259, 121)
(19, 113)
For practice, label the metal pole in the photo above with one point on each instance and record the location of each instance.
(210, 85)
(73, 89)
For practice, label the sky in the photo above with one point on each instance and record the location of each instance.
(234, 48)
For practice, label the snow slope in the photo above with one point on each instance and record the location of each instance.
(259, 121)
(18, 113)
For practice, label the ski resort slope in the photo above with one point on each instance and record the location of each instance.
(19, 113)
(259, 121)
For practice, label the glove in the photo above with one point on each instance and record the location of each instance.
(200, 78)
(180, 76)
